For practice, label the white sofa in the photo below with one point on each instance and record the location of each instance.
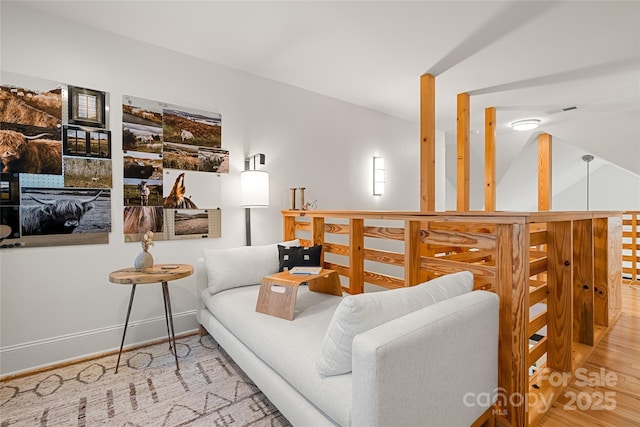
(425, 366)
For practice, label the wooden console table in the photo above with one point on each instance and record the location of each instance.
(160, 273)
(278, 292)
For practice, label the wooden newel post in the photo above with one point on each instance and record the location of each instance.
(559, 296)
(583, 295)
(601, 271)
(512, 274)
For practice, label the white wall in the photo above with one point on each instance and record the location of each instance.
(57, 303)
(610, 187)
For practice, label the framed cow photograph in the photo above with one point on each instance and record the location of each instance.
(34, 150)
(64, 211)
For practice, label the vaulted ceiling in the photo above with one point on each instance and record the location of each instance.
(529, 59)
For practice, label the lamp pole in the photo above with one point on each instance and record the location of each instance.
(587, 158)
(247, 211)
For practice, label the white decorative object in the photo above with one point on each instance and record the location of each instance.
(144, 258)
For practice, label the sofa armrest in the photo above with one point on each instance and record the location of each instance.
(201, 284)
(429, 366)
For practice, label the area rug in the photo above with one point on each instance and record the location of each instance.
(208, 390)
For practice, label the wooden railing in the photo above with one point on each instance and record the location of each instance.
(631, 246)
(564, 267)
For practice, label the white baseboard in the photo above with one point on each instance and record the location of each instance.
(42, 353)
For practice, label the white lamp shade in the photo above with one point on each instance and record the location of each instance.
(255, 189)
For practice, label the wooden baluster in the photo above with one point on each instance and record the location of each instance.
(614, 238)
(601, 271)
(411, 253)
(356, 256)
(317, 234)
(559, 300)
(583, 281)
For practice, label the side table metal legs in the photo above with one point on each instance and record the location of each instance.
(168, 315)
(126, 322)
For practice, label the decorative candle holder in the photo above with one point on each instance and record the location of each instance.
(293, 198)
(302, 205)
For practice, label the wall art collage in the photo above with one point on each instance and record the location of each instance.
(55, 148)
(56, 175)
(172, 160)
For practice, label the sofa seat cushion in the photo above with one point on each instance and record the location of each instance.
(289, 347)
(241, 266)
(359, 313)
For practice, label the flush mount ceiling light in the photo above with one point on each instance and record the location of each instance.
(527, 124)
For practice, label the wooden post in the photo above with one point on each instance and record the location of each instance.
(583, 294)
(356, 256)
(512, 273)
(317, 234)
(544, 172)
(411, 252)
(601, 271)
(288, 227)
(462, 184)
(559, 301)
(427, 143)
(490, 159)
(635, 255)
(614, 237)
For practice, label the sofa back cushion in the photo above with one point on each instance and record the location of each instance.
(361, 312)
(243, 266)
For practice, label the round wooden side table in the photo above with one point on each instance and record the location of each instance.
(160, 273)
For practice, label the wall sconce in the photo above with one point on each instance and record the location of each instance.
(254, 185)
(378, 176)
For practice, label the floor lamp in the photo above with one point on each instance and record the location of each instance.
(587, 158)
(254, 185)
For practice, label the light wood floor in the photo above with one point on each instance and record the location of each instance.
(618, 354)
